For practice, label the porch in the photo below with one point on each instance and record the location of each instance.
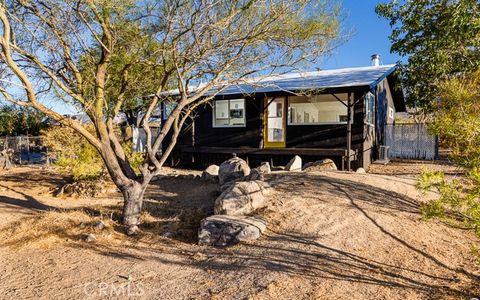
(340, 156)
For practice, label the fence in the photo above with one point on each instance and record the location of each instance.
(26, 149)
(411, 141)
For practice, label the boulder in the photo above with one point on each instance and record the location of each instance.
(223, 231)
(241, 198)
(361, 170)
(233, 169)
(133, 230)
(264, 168)
(211, 172)
(99, 225)
(89, 238)
(255, 174)
(320, 165)
(295, 164)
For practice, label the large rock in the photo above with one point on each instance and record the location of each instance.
(361, 170)
(255, 174)
(264, 168)
(232, 169)
(320, 165)
(222, 231)
(211, 172)
(241, 198)
(295, 164)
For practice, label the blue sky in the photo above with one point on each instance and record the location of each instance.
(370, 36)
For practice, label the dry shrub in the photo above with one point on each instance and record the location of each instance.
(70, 227)
(83, 188)
(74, 155)
(183, 223)
(52, 228)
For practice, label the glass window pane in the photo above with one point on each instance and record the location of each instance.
(237, 112)
(370, 108)
(317, 109)
(275, 120)
(228, 113)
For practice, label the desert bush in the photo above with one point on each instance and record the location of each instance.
(15, 120)
(72, 154)
(457, 120)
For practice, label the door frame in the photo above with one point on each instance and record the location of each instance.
(266, 143)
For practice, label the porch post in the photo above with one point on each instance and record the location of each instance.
(349, 130)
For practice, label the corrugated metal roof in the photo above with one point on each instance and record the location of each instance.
(336, 78)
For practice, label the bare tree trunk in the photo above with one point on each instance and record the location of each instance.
(132, 205)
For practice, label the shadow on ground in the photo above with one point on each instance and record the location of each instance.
(184, 202)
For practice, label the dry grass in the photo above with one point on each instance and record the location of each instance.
(51, 228)
(59, 227)
(163, 220)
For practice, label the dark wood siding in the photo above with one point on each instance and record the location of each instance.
(381, 116)
(297, 136)
(248, 136)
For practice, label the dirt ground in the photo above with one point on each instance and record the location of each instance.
(331, 235)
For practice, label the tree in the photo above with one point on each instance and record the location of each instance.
(20, 121)
(441, 39)
(86, 51)
(456, 120)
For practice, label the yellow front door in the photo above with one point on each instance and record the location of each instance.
(275, 122)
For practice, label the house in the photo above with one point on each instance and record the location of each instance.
(339, 114)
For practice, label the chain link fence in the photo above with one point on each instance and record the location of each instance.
(26, 149)
(411, 141)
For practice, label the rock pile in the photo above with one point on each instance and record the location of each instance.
(242, 194)
(320, 165)
(82, 188)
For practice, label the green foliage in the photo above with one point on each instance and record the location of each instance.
(74, 155)
(457, 205)
(440, 37)
(136, 159)
(133, 69)
(16, 120)
(457, 122)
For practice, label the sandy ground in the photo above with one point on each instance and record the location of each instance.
(331, 235)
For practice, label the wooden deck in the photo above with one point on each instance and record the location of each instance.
(249, 152)
(271, 151)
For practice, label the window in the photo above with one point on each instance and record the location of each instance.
(229, 113)
(370, 109)
(317, 109)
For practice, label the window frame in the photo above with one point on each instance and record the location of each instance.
(229, 118)
(289, 116)
(373, 112)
